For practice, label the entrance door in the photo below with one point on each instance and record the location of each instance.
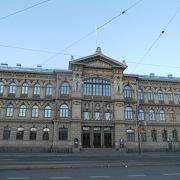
(86, 140)
(97, 140)
(107, 140)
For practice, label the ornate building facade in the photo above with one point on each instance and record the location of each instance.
(93, 104)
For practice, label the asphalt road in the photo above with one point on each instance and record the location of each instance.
(120, 173)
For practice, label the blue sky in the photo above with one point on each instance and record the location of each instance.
(56, 24)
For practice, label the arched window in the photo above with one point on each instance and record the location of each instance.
(20, 133)
(6, 133)
(12, 88)
(127, 92)
(24, 89)
(140, 94)
(46, 133)
(172, 116)
(64, 111)
(47, 112)
(151, 115)
(33, 134)
(10, 110)
(49, 90)
(175, 135)
(37, 89)
(170, 96)
(128, 113)
(22, 111)
(97, 87)
(65, 88)
(141, 115)
(178, 95)
(164, 135)
(154, 135)
(1, 87)
(160, 95)
(162, 115)
(150, 95)
(35, 111)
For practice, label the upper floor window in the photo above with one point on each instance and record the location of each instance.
(24, 89)
(6, 133)
(172, 116)
(46, 133)
(64, 111)
(151, 115)
(22, 111)
(150, 95)
(97, 87)
(12, 88)
(140, 94)
(170, 96)
(162, 115)
(178, 95)
(107, 116)
(86, 115)
(37, 89)
(47, 112)
(1, 87)
(49, 90)
(141, 115)
(97, 116)
(10, 110)
(65, 88)
(160, 96)
(35, 111)
(127, 92)
(128, 113)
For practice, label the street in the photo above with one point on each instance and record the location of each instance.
(116, 173)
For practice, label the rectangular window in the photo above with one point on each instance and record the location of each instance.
(97, 116)
(6, 133)
(86, 115)
(130, 135)
(108, 116)
(63, 134)
(20, 135)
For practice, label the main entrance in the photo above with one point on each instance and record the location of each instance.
(97, 137)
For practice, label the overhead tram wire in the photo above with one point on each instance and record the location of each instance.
(94, 31)
(25, 9)
(157, 39)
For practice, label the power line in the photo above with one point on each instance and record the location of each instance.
(157, 39)
(88, 34)
(22, 10)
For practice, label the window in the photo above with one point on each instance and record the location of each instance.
(64, 111)
(160, 96)
(47, 112)
(1, 87)
(97, 87)
(127, 92)
(86, 115)
(63, 134)
(25, 88)
(128, 113)
(151, 115)
(20, 133)
(107, 116)
(37, 89)
(130, 135)
(150, 95)
(164, 135)
(46, 134)
(178, 95)
(10, 110)
(6, 133)
(35, 111)
(49, 90)
(97, 116)
(12, 88)
(65, 88)
(154, 135)
(22, 111)
(140, 94)
(141, 115)
(143, 135)
(170, 96)
(162, 115)
(175, 135)
(33, 133)
(172, 116)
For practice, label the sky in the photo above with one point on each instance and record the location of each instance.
(56, 24)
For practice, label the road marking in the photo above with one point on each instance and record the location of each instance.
(99, 177)
(137, 175)
(17, 178)
(171, 174)
(60, 177)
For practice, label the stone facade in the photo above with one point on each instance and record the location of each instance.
(91, 105)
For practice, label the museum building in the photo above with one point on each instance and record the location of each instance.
(93, 104)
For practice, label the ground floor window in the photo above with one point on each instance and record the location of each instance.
(130, 133)
(33, 134)
(20, 133)
(164, 135)
(154, 135)
(6, 133)
(46, 133)
(63, 134)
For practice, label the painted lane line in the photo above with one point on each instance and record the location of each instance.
(99, 177)
(17, 178)
(61, 177)
(137, 175)
(171, 174)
